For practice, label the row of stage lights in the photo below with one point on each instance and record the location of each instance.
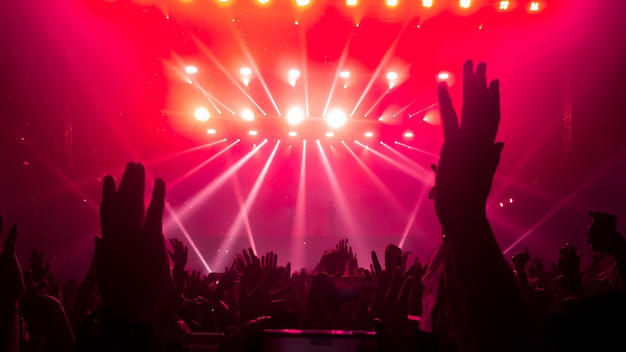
(501, 5)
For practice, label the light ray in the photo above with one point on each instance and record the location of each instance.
(170, 156)
(409, 224)
(340, 64)
(407, 170)
(425, 171)
(214, 185)
(244, 210)
(297, 247)
(417, 149)
(382, 96)
(193, 245)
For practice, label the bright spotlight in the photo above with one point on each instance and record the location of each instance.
(293, 77)
(443, 76)
(263, 1)
(392, 77)
(392, 3)
(202, 114)
(336, 118)
(344, 74)
(427, 3)
(534, 6)
(369, 134)
(253, 132)
(247, 115)
(351, 2)
(465, 3)
(245, 72)
(408, 134)
(191, 69)
(504, 5)
(293, 133)
(211, 131)
(295, 116)
(328, 134)
(303, 2)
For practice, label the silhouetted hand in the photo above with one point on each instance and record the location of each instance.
(375, 266)
(131, 259)
(178, 255)
(11, 280)
(38, 271)
(569, 260)
(520, 260)
(603, 236)
(469, 155)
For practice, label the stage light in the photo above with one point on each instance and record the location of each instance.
(504, 5)
(336, 118)
(392, 3)
(263, 1)
(443, 76)
(247, 115)
(392, 77)
(202, 114)
(534, 6)
(293, 133)
(465, 3)
(295, 116)
(293, 77)
(245, 72)
(191, 69)
(427, 3)
(510, 200)
(351, 2)
(328, 134)
(369, 134)
(303, 2)
(344, 74)
(253, 132)
(408, 134)
(211, 131)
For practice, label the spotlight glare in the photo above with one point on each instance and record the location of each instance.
(465, 3)
(504, 5)
(427, 3)
(295, 116)
(328, 134)
(369, 134)
(247, 115)
(293, 134)
(202, 114)
(294, 73)
(245, 71)
(191, 69)
(534, 6)
(211, 131)
(392, 3)
(392, 76)
(408, 134)
(336, 118)
(443, 76)
(253, 132)
(351, 2)
(303, 2)
(263, 1)
(344, 74)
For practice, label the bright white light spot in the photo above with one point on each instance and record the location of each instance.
(293, 134)
(369, 134)
(211, 131)
(392, 3)
(408, 134)
(296, 23)
(351, 2)
(293, 73)
(303, 2)
(344, 74)
(263, 1)
(224, 1)
(295, 116)
(380, 119)
(191, 69)
(534, 6)
(510, 200)
(392, 76)
(336, 118)
(465, 3)
(443, 76)
(504, 5)
(245, 71)
(247, 115)
(501, 205)
(329, 134)
(253, 132)
(202, 114)
(427, 3)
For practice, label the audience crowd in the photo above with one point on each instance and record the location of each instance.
(139, 296)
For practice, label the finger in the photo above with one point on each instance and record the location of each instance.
(493, 109)
(171, 254)
(449, 119)
(107, 207)
(376, 263)
(394, 286)
(130, 197)
(154, 216)
(433, 167)
(9, 243)
(405, 292)
(481, 75)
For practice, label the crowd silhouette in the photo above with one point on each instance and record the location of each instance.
(138, 295)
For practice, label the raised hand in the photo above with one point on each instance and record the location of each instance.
(603, 236)
(38, 271)
(569, 260)
(469, 155)
(11, 280)
(520, 260)
(178, 254)
(131, 259)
